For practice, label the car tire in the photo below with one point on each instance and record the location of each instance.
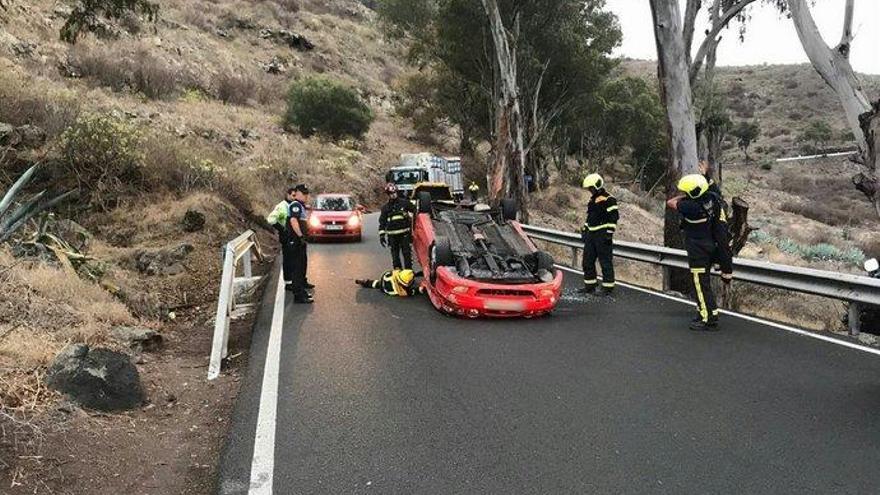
(424, 200)
(440, 255)
(509, 209)
(545, 261)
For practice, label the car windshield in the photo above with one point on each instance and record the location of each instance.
(334, 203)
(407, 176)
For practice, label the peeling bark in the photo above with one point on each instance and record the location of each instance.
(739, 225)
(510, 147)
(676, 94)
(834, 67)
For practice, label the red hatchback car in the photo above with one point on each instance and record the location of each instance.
(335, 217)
(478, 262)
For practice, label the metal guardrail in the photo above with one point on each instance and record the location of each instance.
(856, 290)
(238, 251)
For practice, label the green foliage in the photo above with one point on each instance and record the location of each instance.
(815, 136)
(86, 14)
(767, 164)
(103, 154)
(810, 252)
(746, 133)
(328, 108)
(12, 216)
(564, 44)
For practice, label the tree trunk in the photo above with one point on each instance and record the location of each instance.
(675, 91)
(739, 225)
(869, 183)
(510, 142)
(834, 67)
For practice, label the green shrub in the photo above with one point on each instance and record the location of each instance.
(766, 164)
(103, 154)
(811, 252)
(325, 107)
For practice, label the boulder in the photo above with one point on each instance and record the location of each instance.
(162, 261)
(138, 339)
(98, 379)
(193, 221)
(8, 135)
(289, 38)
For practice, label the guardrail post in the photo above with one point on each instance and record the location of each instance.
(574, 257)
(855, 320)
(246, 264)
(667, 279)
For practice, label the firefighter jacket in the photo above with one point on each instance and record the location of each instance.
(703, 220)
(602, 214)
(396, 217)
(390, 286)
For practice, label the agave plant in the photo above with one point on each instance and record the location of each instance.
(13, 217)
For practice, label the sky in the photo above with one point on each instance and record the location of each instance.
(770, 38)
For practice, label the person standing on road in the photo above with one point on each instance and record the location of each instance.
(474, 191)
(701, 212)
(395, 227)
(598, 235)
(297, 227)
(278, 220)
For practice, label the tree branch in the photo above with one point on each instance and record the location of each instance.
(690, 18)
(728, 15)
(847, 36)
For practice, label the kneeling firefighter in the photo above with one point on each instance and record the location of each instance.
(598, 235)
(398, 283)
(395, 227)
(703, 222)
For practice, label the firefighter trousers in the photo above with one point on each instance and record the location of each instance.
(598, 246)
(701, 254)
(401, 244)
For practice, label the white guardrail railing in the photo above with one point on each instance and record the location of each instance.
(854, 289)
(240, 251)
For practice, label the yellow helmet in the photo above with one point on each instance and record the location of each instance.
(405, 277)
(594, 180)
(694, 185)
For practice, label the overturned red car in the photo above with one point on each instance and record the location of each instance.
(477, 260)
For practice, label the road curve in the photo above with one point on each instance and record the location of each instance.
(609, 395)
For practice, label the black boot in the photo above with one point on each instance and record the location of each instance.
(698, 325)
(303, 298)
(309, 285)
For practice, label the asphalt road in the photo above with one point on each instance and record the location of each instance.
(608, 395)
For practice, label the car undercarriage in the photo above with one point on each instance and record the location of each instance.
(481, 246)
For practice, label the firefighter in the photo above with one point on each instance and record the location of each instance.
(398, 283)
(395, 228)
(598, 235)
(278, 220)
(702, 219)
(298, 258)
(474, 190)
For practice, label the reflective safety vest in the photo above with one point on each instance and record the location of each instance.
(279, 214)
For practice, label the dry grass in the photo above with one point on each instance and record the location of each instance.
(123, 68)
(44, 307)
(25, 100)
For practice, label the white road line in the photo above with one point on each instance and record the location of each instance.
(263, 463)
(755, 319)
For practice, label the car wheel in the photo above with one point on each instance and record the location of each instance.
(509, 209)
(424, 200)
(441, 255)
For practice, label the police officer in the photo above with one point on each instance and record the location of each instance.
(398, 283)
(298, 226)
(702, 221)
(598, 235)
(278, 220)
(474, 190)
(395, 227)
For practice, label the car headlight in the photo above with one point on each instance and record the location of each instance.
(354, 221)
(314, 221)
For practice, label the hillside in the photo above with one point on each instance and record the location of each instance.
(202, 91)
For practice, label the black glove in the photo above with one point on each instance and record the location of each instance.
(727, 278)
(383, 240)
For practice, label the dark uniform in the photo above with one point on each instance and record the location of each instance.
(395, 223)
(704, 224)
(598, 236)
(391, 286)
(295, 256)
